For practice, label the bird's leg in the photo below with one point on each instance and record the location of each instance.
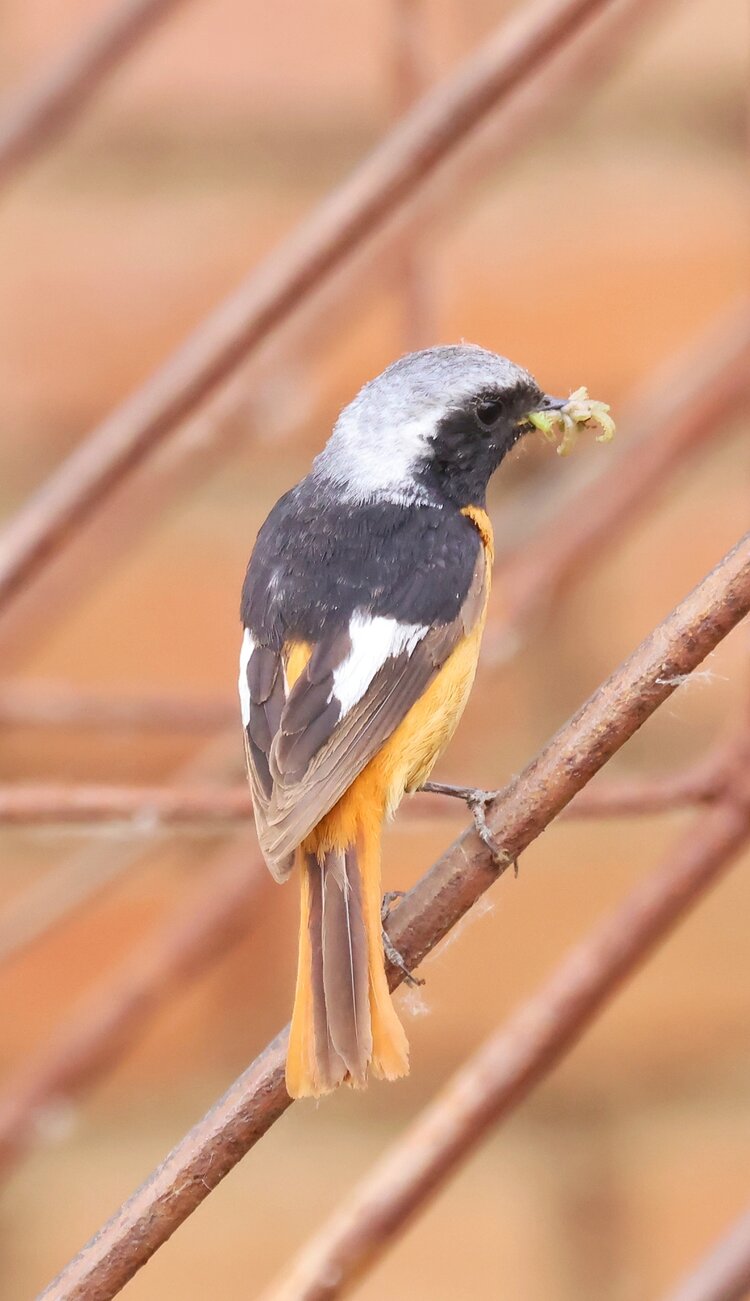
(477, 801)
(389, 948)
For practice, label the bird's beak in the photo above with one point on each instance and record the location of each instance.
(549, 403)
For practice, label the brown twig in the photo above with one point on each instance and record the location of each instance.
(198, 448)
(45, 108)
(214, 917)
(581, 747)
(58, 895)
(150, 807)
(722, 1275)
(679, 408)
(83, 876)
(147, 807)
(384, 181)
(622, 797)
(509, 1064)
(410, 259)
(703, 783)
(60, 704)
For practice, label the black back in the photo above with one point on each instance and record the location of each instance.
(318, 558)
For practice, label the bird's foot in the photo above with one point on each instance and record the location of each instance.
(391, 952)
(477, 801)
(389, 899)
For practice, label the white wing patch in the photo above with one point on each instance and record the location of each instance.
(248, 646)
(374, 640)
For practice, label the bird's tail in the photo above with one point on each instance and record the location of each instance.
(344, 1022)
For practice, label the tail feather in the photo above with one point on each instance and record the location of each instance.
(345, 963)
(344, 1021)
(320, 1056)
(390, 1049)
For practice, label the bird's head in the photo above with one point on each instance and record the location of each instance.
(432, 427)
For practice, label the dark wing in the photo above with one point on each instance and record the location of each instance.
(307, 745)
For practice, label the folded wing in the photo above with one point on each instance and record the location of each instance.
(306, 743)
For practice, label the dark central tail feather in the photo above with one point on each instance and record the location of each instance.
(343, 1020)
(339, 1027)
(310, 1004)
(345, 988)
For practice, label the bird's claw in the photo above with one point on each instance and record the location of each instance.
(386, 907)
(477, 801)
(391, 952)
(396, 960)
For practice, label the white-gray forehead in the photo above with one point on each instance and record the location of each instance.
(434, 380)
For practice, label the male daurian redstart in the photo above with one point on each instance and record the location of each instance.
(363, 609)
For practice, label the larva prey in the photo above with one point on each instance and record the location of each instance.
(565, 425)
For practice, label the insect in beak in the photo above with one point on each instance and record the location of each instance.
(565, 417)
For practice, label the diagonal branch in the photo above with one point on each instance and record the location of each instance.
(211, 919)
(511, 1062)
(582, 746)
(95, 1034)
(680, 406)
(47, 106)
(574, 70)
(80, 877)
(389, 177)
(723, 1274)
(411, 259)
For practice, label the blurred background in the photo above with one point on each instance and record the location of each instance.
(593, 257)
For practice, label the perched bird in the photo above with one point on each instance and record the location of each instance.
(363, 608)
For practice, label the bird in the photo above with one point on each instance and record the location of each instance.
(363, 608)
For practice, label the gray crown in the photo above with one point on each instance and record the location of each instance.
(381, 435)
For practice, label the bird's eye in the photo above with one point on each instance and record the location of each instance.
(489, 412)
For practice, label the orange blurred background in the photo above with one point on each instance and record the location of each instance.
(594, 257)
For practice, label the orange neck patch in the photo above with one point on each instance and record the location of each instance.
(481, 521)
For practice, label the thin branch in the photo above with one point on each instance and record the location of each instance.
(383, 182)
(230, 418)
(511, 1063)
(151, 807)
(411, 260)
(148, 807)
(60, 704)
(94, 1036)
(679, 408)
(83, 876)
(51, 102)
(581, 747)
(213, 918)
(408, 52)
(635, 797)
(722, 1275)
(58, 895)
(621, 797)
